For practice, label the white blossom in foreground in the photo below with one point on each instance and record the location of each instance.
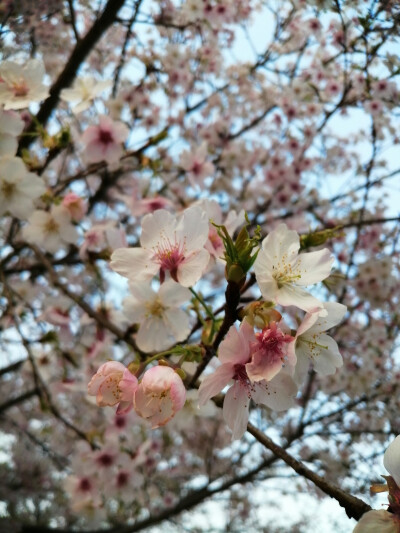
(83, 91)
(50, 229)
(282, 272)
(312, 345)
(234, 354)
(104, 141)
(11, 126)
(22, 84)
(168, 244)
(18, 188)
(378, 522)
(161, 322)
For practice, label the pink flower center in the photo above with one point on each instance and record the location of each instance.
(84, 484)
(105, 459)
(240, 374)
(169, 256)
(272, 343)
(122, 479)
(105, 137)
(197, 167)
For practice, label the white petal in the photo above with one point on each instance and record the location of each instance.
(193, 228)
(391, 460)
(336, 312)
(323, 352)
(172, 294)
(292, 295)
(190, 271)
(154, 335)
(314, 266)
(156, 227)
(178, 323)
(214, 383)
(278, 394)
(236, 410)
(134, 263)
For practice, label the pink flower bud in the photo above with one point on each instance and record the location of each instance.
(160, 395)
(75, 205)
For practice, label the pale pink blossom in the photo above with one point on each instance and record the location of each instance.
(20, 85)
(312, 345)
(169, 244)
(104, 142)
(161, 321)
(195, 163)
(84, 492)
(103, 236)
(282, 272)
(75, 205)
(234, 354)
(113, 384)
(143, 206)
(160, 395)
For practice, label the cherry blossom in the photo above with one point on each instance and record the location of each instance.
(312, 345)
(18, 187)
(50, 229)
(282, 272)
(195, 163)
(161, 322)
(20, 85)
(169, 244)
(235, 354)
(160, 395)
(104, 142)
(83, 91)
(269, 352)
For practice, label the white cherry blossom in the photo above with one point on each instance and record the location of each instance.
(22, 84)
(161, 322)
(83, 91)
(312, 345)
(50, 229)
(18, 188)
(282, 272)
